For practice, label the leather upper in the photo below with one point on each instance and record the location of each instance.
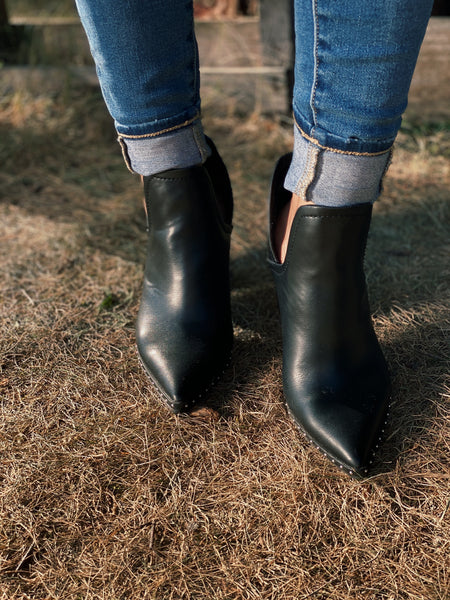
(184, 330)
(334, 373)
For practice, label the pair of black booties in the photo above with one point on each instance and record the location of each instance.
(335, 378)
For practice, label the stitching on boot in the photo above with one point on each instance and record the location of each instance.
(159, 178)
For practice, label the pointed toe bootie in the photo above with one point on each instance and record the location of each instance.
(184, 331)
(335, 378)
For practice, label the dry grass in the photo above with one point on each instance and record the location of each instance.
(103, 494)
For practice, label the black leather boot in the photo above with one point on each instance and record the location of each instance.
(335, 377)
(184, 330)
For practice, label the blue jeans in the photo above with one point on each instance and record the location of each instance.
(353, 67)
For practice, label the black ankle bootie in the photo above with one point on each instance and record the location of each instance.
(335, 378)
(184, 330)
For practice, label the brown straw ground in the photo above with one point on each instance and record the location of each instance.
(106, 496)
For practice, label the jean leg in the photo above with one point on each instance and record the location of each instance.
(146, 58)
(354, 65)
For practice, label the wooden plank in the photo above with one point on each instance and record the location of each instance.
(277, 39)
(230, 9)
(215, 9)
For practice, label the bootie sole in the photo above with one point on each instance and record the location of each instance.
(357, 474)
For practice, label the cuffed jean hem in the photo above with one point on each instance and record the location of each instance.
(330, 177)
(179, 148)
(352, 144)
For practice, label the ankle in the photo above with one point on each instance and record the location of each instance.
(284, 224)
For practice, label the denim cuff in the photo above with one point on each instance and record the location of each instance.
(330, 177)
(178, 149)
